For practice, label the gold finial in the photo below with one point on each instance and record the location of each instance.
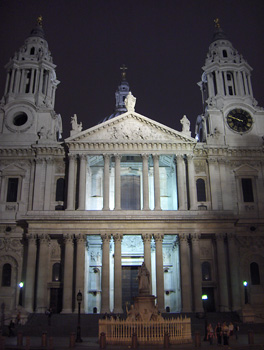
(217, 23)
(39, 21)
(123, 69)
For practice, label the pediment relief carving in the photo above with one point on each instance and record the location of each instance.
(13, 169)
(246, 170)
(131, 127)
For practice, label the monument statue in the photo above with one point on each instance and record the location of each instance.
(143, 280)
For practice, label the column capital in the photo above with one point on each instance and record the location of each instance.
(107, 156)
(105, 237)
(184, 238)
(118, 237)
(68, 238)
(158, 237)
(145, 156)
(82, 156)
(80, 238)
(49, 160)
(156, 156)
(195, 237)
(190, 157)
(146, 237)
(31, 237)
(71, 156)
(44, 238)
(118, 156)
(219, 237)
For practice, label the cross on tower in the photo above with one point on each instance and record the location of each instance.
(123, 69)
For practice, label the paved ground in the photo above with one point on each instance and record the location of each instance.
(63, 343)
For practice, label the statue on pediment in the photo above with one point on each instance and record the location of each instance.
(130, 102)
(185, 122)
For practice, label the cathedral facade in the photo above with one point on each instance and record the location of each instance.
(82, 214)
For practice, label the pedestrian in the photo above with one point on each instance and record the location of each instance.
(210, 333)
(11, 326)
(225, 332)
(49, 314)
(218, 333)
(236, 330)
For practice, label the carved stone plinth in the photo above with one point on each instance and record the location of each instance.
(145, 307)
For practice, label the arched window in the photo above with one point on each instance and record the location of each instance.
(56, 272)
(6, 275)
(32, 50)
(200, 189)
(206, 271)
(254, 273)
(60, 190)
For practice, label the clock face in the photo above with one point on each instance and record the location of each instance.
(239, 120)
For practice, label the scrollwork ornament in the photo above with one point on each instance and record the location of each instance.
(158, 237)
(117, 237)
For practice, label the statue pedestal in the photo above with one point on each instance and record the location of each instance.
(145, 306)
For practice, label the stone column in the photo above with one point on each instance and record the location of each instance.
(145, 158)
(30, 272)
(192, 186)
(118, 274)
(106, 182)
(39, 185)
(222, 275)
(42, 282)
(159, 271)
(71, 183)
(68, 274)
(234, 271)
(156, 181)
(80, 267)
(117, 182)
(215, 184)
(181, 181)
(146, 237)
(186, 287)
(105, 273)
(48, 183)
(82, 182)
(197, 273)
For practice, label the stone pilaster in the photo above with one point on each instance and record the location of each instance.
(68, 274)
(159, 271)
(117, 182)
(191, 180)
(156, 181)
(80, 267)
(71, 183)
(181, 181)
(222, 277)
(197, 273)
(234, 271)
(39, 184)
(82, 182)
(186, 286)
(42, 282)
(145, 158)
(48, 183)
(106, 182)
(147, 254)
(118, 274)
(30, 272)
(105, 273)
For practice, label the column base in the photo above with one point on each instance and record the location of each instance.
(118, 311)
(66, 311)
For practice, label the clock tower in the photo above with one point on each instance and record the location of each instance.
(231, 116)
(27, 113)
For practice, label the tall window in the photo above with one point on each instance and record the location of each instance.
(247, 190)
(6, 275)
(206, 271)
(12, 189)
(130, 192)
(254, 273)
(56, 272)
(200, 189)
(60, 190)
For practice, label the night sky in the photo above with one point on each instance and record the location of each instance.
(163, 43)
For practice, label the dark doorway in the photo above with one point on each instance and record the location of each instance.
(129, 285)
(209, 304)
(56, 300)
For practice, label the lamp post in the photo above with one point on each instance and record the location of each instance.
(205, 298)
(245, 284)
(79, 299)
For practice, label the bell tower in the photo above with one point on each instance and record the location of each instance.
(27, 113)
(230, 112)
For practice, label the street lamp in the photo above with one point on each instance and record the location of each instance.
(245, 284)
(79, 299)
(204, 298)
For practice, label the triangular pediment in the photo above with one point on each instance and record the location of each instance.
(13, 169)
(131, 127)
(245, 169)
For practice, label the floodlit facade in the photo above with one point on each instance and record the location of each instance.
(82, 214)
